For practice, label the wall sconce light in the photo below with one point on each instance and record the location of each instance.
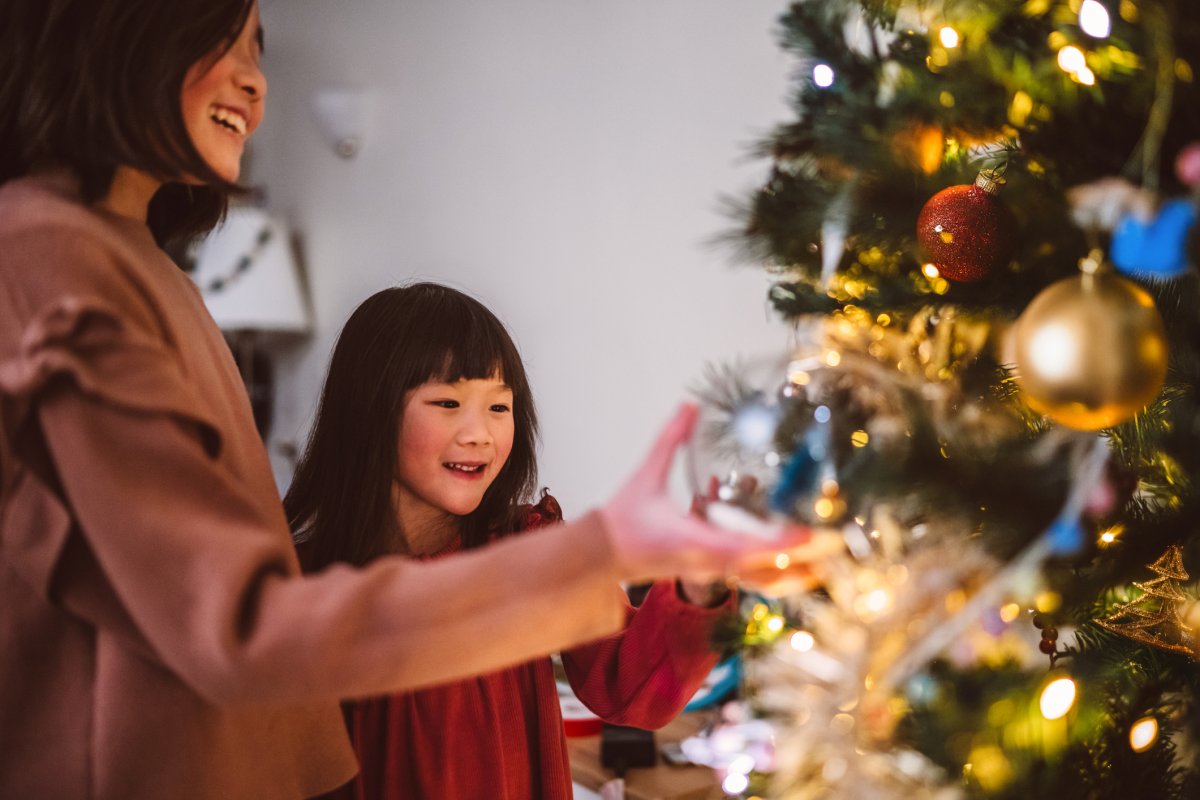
(342, 116)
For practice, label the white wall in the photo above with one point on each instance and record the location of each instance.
(562, 160)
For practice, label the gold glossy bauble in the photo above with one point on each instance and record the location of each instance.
(1090, 351)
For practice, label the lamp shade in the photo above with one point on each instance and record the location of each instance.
(248, 277)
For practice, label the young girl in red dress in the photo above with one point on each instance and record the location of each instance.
(424, 445)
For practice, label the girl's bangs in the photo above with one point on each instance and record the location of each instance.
(475, 354)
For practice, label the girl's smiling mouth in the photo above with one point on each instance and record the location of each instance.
(466, 468)
(230, 119)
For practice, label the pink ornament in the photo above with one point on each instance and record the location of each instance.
(1187, 165)
(1101, 500)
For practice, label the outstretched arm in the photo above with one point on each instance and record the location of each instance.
(190, 569)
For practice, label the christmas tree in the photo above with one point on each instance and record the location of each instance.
(981, 219)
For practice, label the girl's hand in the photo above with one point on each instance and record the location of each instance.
(653, 538)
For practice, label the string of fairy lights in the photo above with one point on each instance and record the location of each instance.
(1094, 20)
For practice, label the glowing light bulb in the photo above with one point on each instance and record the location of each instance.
(802, 641)
(873, 604)
(1085, 76)
(930, 270)
(735, 783)
(1071, 60)
(775, 624)
(823, 75)
(782, 560)
(1057, 698)
(754, 426)
(878, 600)
(742, 763)
(948, 37)
(1143, 734)
(1094, 19)
(1048, 602)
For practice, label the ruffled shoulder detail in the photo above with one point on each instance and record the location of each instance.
(546, 511)
(85, 341)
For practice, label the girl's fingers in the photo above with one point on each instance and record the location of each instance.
(779, 582)
(727, 553)
(657, 466)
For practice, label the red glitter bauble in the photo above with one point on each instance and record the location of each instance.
(967, 231)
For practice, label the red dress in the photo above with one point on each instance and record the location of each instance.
(500, 736)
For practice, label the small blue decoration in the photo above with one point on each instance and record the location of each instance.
(1154, 250)
(798, 477)
(922, 690)
(1066, 536)
(719, 684)
(808, 464)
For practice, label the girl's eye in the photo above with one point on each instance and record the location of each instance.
(501, 408)
(444, 403)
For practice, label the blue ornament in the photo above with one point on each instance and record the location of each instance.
(721, 682)
(798, 477)
(1066, 536)
(1154, 250)
(802, 472)
(922, 690)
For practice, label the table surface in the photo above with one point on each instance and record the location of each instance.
(661, 782)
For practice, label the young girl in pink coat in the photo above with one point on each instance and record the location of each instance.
(424, 446)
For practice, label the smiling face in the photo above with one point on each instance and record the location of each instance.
(223, 100)
(454, 440)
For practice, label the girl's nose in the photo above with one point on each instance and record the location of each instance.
(252, 81)
(474, 430)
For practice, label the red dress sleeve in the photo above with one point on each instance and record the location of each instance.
(643, 675)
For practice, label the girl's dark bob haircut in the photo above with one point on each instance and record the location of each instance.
(93, 84)
(340, 502)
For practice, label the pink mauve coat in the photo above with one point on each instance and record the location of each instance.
(156, 638)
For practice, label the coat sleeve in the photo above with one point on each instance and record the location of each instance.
(118, 510)
(644, 675)
(217, 596)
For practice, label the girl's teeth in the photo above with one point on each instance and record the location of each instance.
(230, 119)
(464, 468)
